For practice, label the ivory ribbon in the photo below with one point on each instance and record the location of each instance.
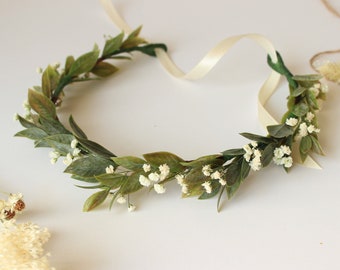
(210, 60)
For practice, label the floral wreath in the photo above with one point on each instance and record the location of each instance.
(204, 177)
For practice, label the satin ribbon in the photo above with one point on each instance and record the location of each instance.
(210, 60)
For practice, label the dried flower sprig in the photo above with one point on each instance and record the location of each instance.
(204, 177)
(21, 244)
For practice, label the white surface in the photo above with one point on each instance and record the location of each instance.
(276, 221)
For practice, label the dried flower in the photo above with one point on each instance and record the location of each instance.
(292, 121)
(110, 169)
(160, 189)
(207, 187)
(144, 181)
(206, 170)
(146, 167)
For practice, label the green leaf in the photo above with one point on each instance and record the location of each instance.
(316, 145)
(131, 184)
(312, 101)
(201, 161)
(298, 91)
(50, 80)
(245, 169)
(231, 190)
(129, 162)
(233, 173)
(256, 138)
(60, 142)
(160, 158)
(300, 109)
(41, 104)
(95, 200)
(68, 63)
(52, 126)
(76, 129)
(89, 179)
(112, 180)
(32, 133)
(25, 123)
(104, 69)
(133, 40)
(267, 154)
(307, 80)
(95, 148)
(280, 131)
(305, 146)
(112, 45)
(84, 63)
(88, 166)
(231, 153)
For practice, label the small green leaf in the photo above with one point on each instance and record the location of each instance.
(233, 173)
(131, 184)
(84, 63)
(245, 169)
(129, 162)
(307, 80)
(149, 49)
(25, 123)
(316, 146)
(32, 133)
(112, 45)
(95, 200)
(267, 154)
(201, 161)
(88, 166)
(68, 63)
(112, 180)
(233, 152)
(50, 80)
(280, 131)
(312, 101)
(41, 104)
(298, 91)
(95, 148)
(231, 190)
(52, 126)
(160, 158)
(133, 40)
(104, 69)
(61, 143)
(256, 138)
(300, 109)
(305, 146)
(76, 129)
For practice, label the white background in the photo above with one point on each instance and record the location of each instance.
(276, 220)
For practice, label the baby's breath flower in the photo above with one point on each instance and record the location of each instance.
(255, 163)
(185, 189)
(310, 116)
(146, 167)
(216, 175)
(180, 179)
(312, 128)
(109, 169)
(39, 70)
(160, 189)
(154, 177)
(74, 143)
(314, 91)
(121, 200)
(222, 182)
(303, 132)
(76, 152)
(165, 170)
(292, 121)
(207, 187)
(282, 156)
(54, 155)
(131, 207)
(287, 162)
(206, 170)
(253, 144)
(68, 159)
(144, 181)
(324, 88)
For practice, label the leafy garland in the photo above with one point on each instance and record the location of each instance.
(204, 177)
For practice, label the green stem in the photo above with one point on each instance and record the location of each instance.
(62, 83)
(280, 67)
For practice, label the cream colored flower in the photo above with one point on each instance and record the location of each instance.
(160, 189)
(144, 181)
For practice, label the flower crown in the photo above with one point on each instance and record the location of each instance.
(117, 178)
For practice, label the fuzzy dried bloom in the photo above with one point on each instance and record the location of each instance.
(21, 247)
(165, 170)
(207, 187)
(154, 177)
(144, 181)
(160, 189)
(310, 116)
(146, 167)
(331, 71)
(206, 170)
(109, 169)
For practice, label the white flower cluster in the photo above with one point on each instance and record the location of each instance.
(70, 157)
(21, 247)
(153, 178)
(214, 175)
(11, 207)
(181, 181)
(282, 156)
(253, 156)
